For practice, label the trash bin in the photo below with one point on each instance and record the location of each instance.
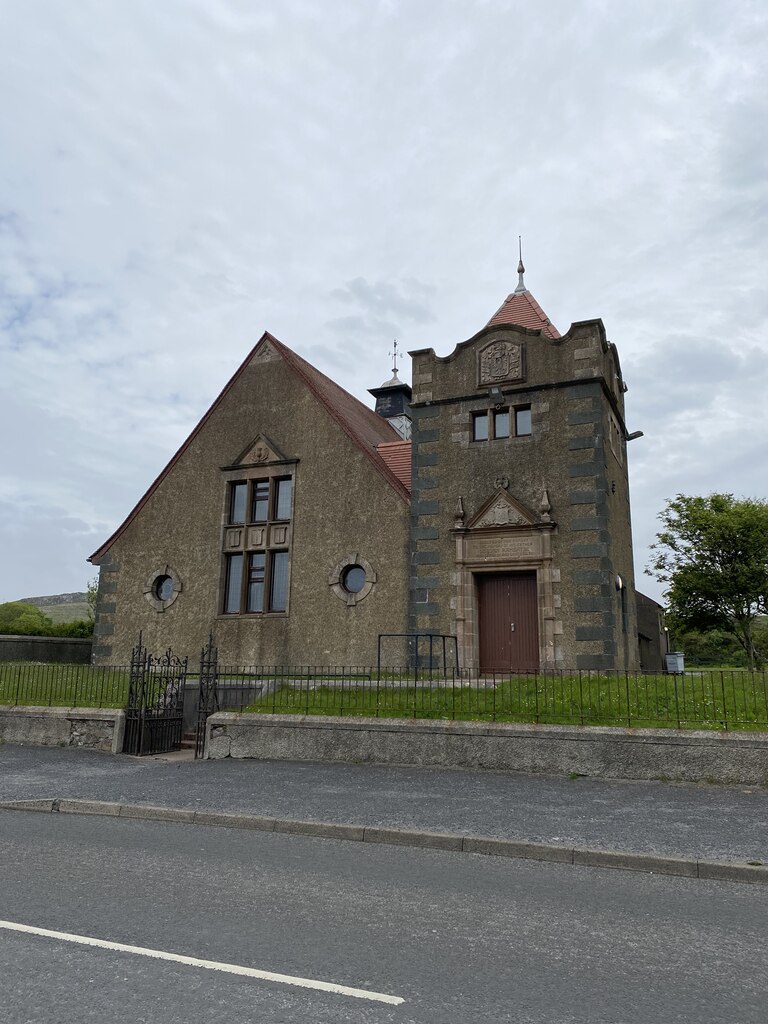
(676, 662)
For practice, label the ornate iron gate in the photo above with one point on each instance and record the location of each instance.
(154, 714)
(207, 695)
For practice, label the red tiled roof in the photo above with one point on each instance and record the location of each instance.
(397, 455)
(522, 309)
(362, 425)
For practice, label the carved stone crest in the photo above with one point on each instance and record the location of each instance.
(265, 354)
(501, 509)
(260, 451)
(499, 361)
(502, 513)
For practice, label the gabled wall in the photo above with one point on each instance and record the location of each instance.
(342, 507)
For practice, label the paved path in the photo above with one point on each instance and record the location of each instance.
(714, 822)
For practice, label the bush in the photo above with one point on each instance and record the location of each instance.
(21, 619)
(24, 619)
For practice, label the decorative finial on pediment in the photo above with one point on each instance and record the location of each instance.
(545, 508)
(458, 515)
(520, 268)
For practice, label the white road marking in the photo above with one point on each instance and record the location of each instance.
(210, 965)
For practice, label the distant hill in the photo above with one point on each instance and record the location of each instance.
(61, 607)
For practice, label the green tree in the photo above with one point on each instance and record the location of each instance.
(92, 593)
(760, 634)
(713, 554)
(22, 618)
(707, 647)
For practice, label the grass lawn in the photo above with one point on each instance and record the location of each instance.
(711, 700)
(706, 698)
(56, 685)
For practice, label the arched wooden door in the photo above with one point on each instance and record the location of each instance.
(509, 622)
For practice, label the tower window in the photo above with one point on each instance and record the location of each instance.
(522, 420)
(480, 426)
(499, 424)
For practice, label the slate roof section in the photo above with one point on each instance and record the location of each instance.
(397, 455)
(362, 425)
(520, 308)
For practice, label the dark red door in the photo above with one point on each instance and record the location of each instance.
(509, 622)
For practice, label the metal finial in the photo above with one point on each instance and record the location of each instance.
(520, 268)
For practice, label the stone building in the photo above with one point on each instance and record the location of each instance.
(491, 504)
(280, 525)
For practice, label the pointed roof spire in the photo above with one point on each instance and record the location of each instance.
(521, 309)
(520, 269)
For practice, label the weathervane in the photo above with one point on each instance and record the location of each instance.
(393, 353)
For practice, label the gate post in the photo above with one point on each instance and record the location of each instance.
(207, 696)
(137, 698)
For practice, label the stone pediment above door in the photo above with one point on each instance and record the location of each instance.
(260, 452)
(502, 510)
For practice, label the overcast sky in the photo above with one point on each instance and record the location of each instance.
(177, 176)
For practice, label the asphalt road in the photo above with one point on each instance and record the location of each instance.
(715, 822)
(457, 939)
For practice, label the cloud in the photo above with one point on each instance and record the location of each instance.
(405, 300)
(178, 177)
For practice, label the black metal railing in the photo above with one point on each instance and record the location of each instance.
(60, 685)
(434, 652)
(728, 699)
(698, 698)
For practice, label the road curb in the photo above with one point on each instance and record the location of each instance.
(488, 846)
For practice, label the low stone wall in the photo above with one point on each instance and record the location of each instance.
(680, 755)
(63, 649)
(96, 728)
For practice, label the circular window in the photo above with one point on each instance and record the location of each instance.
(163, 588)
(353, 579)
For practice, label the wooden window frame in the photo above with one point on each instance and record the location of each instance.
(238, 541)
(490, 415)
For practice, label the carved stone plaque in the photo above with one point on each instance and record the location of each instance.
(279, 534)
(256, 536)
(502, 548)
(500, 361)
(233, 538)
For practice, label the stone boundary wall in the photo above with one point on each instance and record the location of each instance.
(66, 649)
(95, 728)
(601, 752)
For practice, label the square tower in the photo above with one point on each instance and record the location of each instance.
(520, 538)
